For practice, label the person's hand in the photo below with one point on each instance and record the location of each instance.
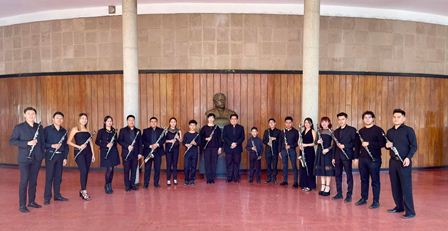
(233, 145)
(109, 145)
(140, 156)
(333, 162)
(341, 146)
(188, 145)
(154, 146)
(319, 141)
(32, 142)
(130, 148)
(280, 155)
(219, 151)
(273, 138)
(389, 144)
(288, 147)
(56, 146)
(355, 163)
(365, 144)
(325, 151)
(194, 143)
(83, 146)
(208, 138)
(301, 146)
(93, 158)
(406, 162)
(254, 149)
(64, 162)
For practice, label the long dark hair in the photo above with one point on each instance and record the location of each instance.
(105, 120)
(309, 121)
(169, 121)
(79, 117)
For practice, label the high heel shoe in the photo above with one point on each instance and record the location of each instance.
(322, 191)
(84, 195)
(327, 193)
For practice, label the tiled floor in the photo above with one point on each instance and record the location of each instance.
(221, 206)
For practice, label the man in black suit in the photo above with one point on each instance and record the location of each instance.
(233, 136)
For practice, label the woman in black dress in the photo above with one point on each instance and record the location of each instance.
(81, 139)
(324, 167)
(107, 141)
(173, 137)
(307, 176)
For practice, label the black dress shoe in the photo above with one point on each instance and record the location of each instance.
(321, 192)
(284, 183)
(268, 181)
(46, 202)
(337, 196)
(34, 205)
(408, 216)
(157, 185)
(348, 199)
(374, 205)
(127, 189)
(146, 186)
(325, 194)
(395, 210)
(60, 198)
(24, 210)
(361, 201)
(295, 185)
(134, 187)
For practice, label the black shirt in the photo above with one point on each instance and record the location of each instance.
(276, 144)
(188, 138)
(21, 135)
(126, 137)
(348, 137)
(292, 137)
(233, 134)
(53, 136)
(373, 135)
(258, 145)
(205, 132)
(149, 137)
(404, 139)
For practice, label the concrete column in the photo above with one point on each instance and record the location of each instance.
(310, 83)
(130, 60)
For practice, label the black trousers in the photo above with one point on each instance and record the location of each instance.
(401, 182)
(157, 162)
(130, 171)
(210, 159)
(233, 161)
(293, 157)
(254, 167)
(28, 181)
(370, 169)
(271, 164)
(83, 161)
(190, 163)
(344, 165)
(308, 180)
(53, 176)
(172, 158)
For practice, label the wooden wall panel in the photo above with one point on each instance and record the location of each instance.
(423, 99)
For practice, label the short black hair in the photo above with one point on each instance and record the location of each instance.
(58, 113)
(130, 116)
(342, 114)
(153, 118)
(368, 113)
(288, 118)
(193, 122)
(256, 129)
(398, 110)
(29, 109)
(272, 119)
(211, 114)
(233, 115)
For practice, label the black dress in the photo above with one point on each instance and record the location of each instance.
(323, 166)
(308, 180)
(102, 139)
(84, 159)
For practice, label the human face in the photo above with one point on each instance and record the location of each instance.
(58, 120)
(192, 127)
(324, 124)
(83, 120)
(398, 119)
(109, 122)
(30, 116)
(254, 133)
(173, 123)
(211, 120)
(233, 120)
(153, 123)
(342, 121)
(307, 124)
(272, 124)
(368, 119)
(288, 124)
(131, 122)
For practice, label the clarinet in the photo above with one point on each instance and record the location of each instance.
(302, 158)
(394, 149)
(111, 142)
(270, 142)
(34, 137)
(171, 147)
(256, 152)
(85, 143)
(286, 141)
(151, 154)
(337, 143)
(319, 138)
(211, 136)
(191, 143)
(60, 142)
(366, 148)
(132, 144)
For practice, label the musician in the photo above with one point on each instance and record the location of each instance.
(347, 138)
(28, 137)
(401, 137)
(191, 140)
(307, 176)
(153, 139)
(211, 146)
(173, 138)
(56, 152)
(233, 136)
(107, 141)
(130, 141)
(272, 139)
(289, 143)
(324, 168)
(254, 148)
(370, 164)
(81, 139)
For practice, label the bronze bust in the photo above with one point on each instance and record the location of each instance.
(221, 112)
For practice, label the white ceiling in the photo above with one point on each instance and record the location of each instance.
(16, 7)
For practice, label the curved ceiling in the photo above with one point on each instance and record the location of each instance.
(18, 11)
